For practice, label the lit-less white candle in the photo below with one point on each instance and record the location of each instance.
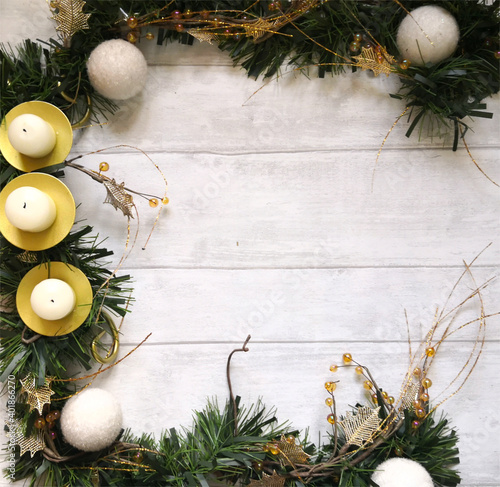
(53, 299)
(31, 135)
(30, 209)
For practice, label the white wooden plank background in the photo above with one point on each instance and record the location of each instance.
(274, 229)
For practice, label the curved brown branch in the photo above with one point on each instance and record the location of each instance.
(27, 341)
(244, 348)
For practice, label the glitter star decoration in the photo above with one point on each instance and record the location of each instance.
(377, 61)
(290, 453)
(37, 396)
(360, 427)
(273, 480)
(28, 257)
(69, 17)
(32, 444)
(15, 436)
(258, 28)
(202, 35)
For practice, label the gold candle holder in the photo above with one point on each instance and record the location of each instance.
(54, 117)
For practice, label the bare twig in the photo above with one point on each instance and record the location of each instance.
(27, 341)
(228, 374)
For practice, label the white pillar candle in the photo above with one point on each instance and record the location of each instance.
(30, 209)
(53, 299)
(31, 135)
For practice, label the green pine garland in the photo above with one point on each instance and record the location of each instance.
(213, 447)
(209, 450)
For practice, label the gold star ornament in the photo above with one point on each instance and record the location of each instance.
(290, 453)
(377, 60)
(37, 396)
(15, 436)
(32, 444)
(273, 480)
(69, 17)
(202, 35)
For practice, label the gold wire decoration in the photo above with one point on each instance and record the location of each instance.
(70, 18)
(290, 453)
(32, 443)
(385, 140)
(37, 396)
(267, 480)
(119, 192)
(118, 457)
(462, 135)
(376, 61)
(100, 371)
(361, 427)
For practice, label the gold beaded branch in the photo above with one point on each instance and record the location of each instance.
(215, 25)
(210, 26)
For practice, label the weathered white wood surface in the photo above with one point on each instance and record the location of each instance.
(274, 229)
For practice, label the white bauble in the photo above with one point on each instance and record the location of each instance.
(91, 420)
(440, 27)
(117, 69)
(401, 472)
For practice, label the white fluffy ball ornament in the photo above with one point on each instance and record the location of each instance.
(401, 472)
(117, 69)
(423, 25)
(91, 420)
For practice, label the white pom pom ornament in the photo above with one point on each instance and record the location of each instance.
(117, 69)
(401, 472)
(91, 420)
(425, 25)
